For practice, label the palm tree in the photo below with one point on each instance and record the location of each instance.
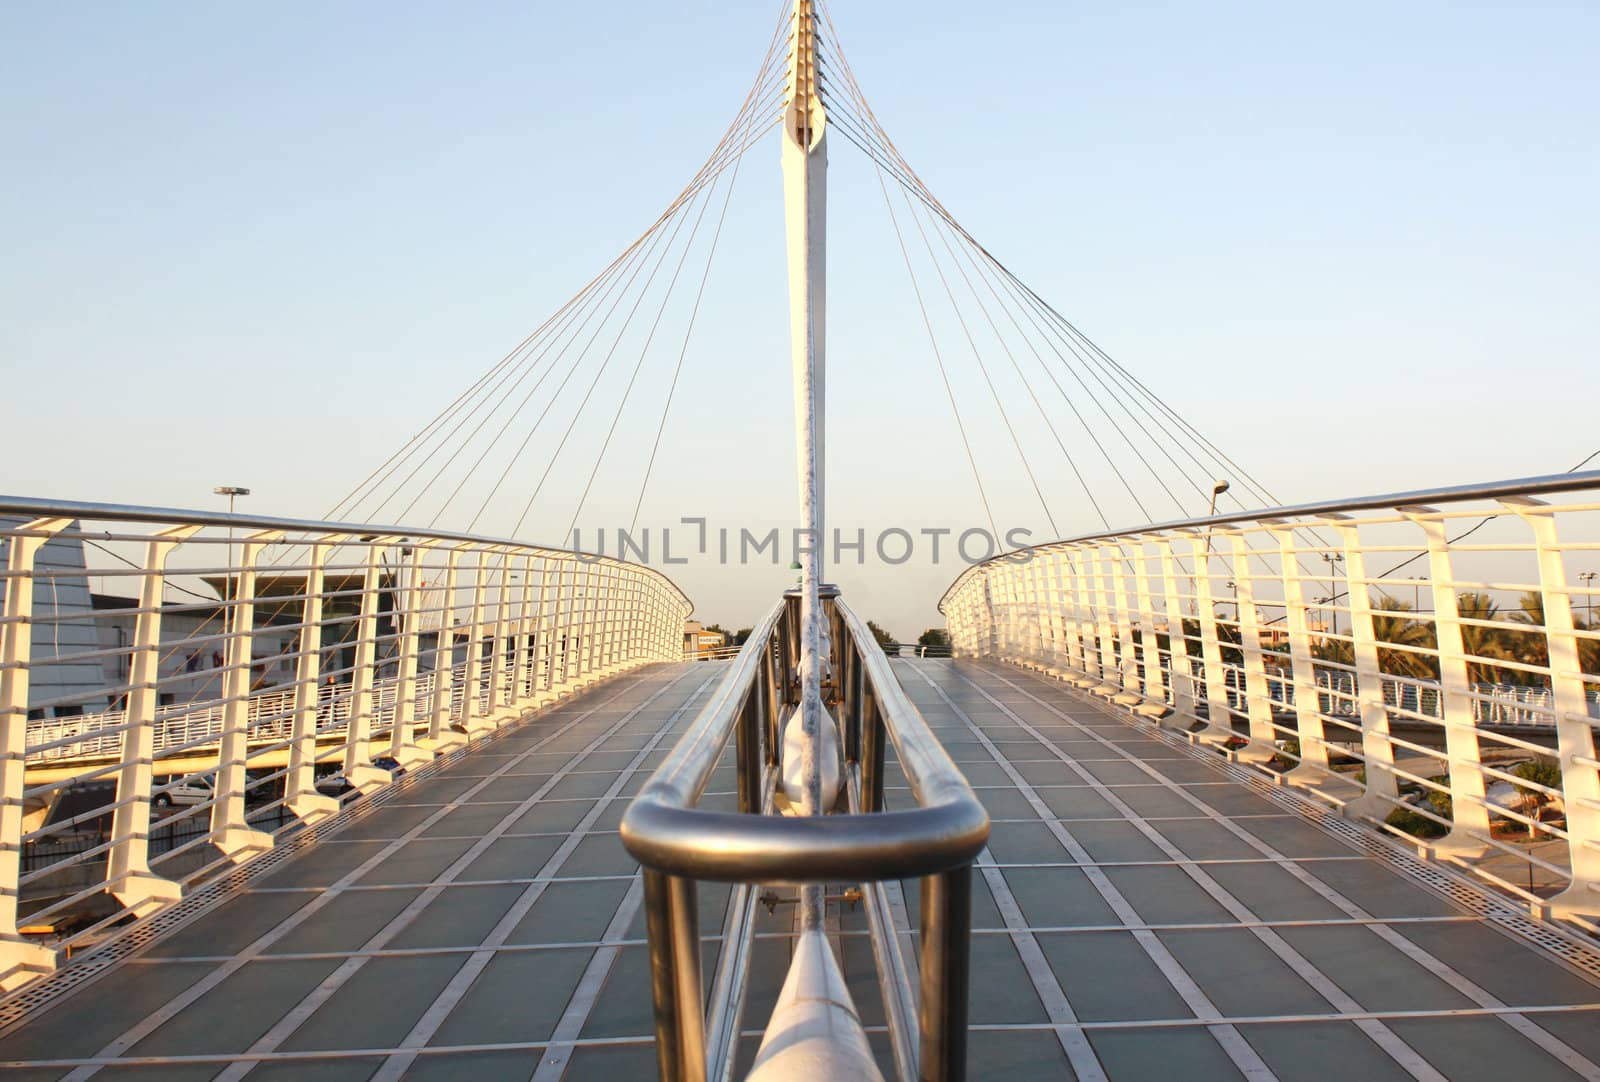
(1483, 645)
(1529, 647)
(1388, 625)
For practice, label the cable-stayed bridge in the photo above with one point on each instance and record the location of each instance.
(1246, 791)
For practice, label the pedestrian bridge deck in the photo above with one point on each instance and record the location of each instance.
(1143, 910)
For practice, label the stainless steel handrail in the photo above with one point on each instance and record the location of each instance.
(678, 843)
(1540, 485)
(174, 516)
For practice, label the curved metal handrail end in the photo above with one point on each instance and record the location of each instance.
(732, 847)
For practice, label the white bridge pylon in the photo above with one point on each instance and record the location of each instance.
(815, 1031)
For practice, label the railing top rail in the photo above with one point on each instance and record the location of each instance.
(173, 516)
(1542, 485)
(665, 831)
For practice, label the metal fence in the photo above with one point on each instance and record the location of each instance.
(325, 647)
(1296, 639)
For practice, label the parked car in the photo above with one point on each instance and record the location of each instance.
(337, 785)
(185, 792)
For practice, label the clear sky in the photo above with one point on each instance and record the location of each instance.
(1355, 246)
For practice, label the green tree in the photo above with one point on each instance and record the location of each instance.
(934, 636)
(1539, 772)
(885, 640)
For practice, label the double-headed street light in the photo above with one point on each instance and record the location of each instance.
(1216, 490)
(232, 492)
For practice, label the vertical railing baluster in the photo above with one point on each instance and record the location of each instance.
(441, 734)
(1155, 685)
(1219, 722)
(672, 927)
(1469, 812)
(20, 960)
(403, 745)
(1181, 673)
(1382, 791)
(1575, 739)
(128, 863)
(1309, 730)
(472, 715)
(1258, 704)
(230, 831)
(946, 902)
(299, 781)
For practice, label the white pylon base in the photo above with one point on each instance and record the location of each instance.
(794, 743)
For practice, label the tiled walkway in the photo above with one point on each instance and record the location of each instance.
(1139, 915)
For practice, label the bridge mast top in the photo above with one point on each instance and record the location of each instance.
(805, 168)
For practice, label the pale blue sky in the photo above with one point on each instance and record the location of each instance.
(1356, 246)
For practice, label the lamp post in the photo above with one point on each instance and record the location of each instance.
(1216, 490)
(1588, 578)
(232, 492)
(1332, 559)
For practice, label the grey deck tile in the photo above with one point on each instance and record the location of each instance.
(322, 864)
(1075, 802)
(317, 1070)
(347, 921)
(1048, 772)
(1140, 1055)
(1117, 772)
(1579, 1029)
(387, 823)
(1231, 799)
(418, 861)
(588, 784)
(1058, 897)
(1377, 890)
(164, 1072)
(1167, 895)
(1322, 1052)
(997, 1056)
(1107, 976)
(1000, 990)
(570, 912)
(1006, 804)
(1479, 1050)
(1202, 839)
(513, 857)
(1240, 975)
(458, 917)
(612, 1061)
(1115, 841)
(1188, 770)
(470, 821)
(1155, 802)
(238, 1011)
(519, 997)
(1294, 837)
(623, 1008)
(1504, 968)
(377, 1007)
(1272, 893)
(1024, 843)
(95, 1015)
(599, 854)
(232, 926)
(551, 818)
(475, 1067)
(1374, 974)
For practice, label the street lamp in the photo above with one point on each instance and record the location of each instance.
(232, 492)
(1588, 602)
(1332, 559)
(1216, 490)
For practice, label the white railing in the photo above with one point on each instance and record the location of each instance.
(354, 649)
(1304, 648)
